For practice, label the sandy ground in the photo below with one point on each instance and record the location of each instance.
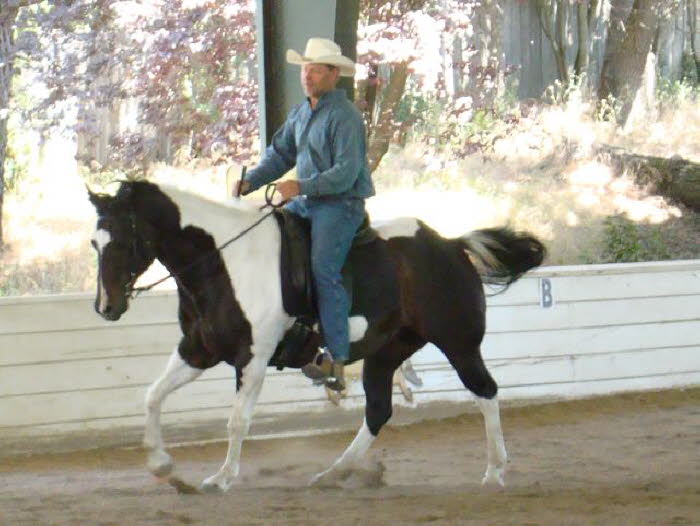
(632, 459)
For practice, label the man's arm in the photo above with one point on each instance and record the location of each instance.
(348, 146)
(279, 157)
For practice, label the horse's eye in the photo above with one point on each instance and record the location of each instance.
(93, 243)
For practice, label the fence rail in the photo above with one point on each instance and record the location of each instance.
(559, 332)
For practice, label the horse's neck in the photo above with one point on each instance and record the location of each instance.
(251, 261)
(223, 221)
(210, 216)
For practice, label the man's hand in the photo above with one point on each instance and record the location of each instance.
(241, 188)
(288, 189)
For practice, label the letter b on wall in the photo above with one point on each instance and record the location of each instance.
(546, 293)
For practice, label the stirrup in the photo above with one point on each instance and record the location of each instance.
(336, 382)
(321, 367)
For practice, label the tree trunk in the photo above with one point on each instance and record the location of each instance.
(457, 67)
(552, 16)
(625, 63)
(8, 15)
(583, 29)
(383, 129)
(692, 12)
(7, 21)
(675, 178)
(490, 56)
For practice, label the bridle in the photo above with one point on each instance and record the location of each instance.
(133, 292)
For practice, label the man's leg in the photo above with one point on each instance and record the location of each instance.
(333, 227)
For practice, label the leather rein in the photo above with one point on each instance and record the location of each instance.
(270, 189)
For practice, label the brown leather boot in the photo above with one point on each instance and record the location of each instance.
(336, 381)
(321, 367)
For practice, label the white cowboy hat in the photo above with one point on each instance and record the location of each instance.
(323, 51)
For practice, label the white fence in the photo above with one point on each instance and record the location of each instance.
(594, 330)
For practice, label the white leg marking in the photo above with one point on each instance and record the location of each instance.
(400, 380)
(357, 327)
(238, 424)
(177, 373)
(349, 459)
(496, 448)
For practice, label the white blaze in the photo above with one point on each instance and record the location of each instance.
(101, 238)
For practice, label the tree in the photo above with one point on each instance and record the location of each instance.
(630, 43)
(480, 25)
(553, 16)
(188, 64)
(692, 14)
(382, 23)
(404, 44)
(9, 9)
(588, 18)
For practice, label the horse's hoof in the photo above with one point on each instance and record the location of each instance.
(216, 484)
(182, 487)
(205, 487)
(334, 397)
(331, 477)
(325, 479)
(494, 476)
(160, 463)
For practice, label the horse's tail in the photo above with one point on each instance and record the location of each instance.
(502, 255)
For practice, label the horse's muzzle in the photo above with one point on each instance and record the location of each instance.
(109, 312)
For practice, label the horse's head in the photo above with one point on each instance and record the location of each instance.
(124, 245)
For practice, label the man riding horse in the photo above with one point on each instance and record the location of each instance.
(324, 137)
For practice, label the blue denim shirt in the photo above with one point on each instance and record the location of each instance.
(326, 144)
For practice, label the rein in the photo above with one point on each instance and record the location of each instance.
(270, 190)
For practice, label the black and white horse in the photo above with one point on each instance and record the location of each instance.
(414, 287)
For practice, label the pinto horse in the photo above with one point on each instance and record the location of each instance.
(417, 287)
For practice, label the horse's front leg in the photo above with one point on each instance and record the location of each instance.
(250, 381)
(177, 373)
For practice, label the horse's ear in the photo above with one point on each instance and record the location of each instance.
(99, 201)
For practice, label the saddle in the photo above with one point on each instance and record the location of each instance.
(298, 295)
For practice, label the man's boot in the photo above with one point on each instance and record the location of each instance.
(321, 367)
(336, 381)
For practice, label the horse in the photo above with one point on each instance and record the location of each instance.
(418, 287)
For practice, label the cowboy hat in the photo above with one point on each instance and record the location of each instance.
(323, 51)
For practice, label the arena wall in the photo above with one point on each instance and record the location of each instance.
(560, 332)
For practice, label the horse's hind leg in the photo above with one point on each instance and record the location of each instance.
(177, 373)
(475, 377)
(377, 380)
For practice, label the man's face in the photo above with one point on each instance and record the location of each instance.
(317, 79)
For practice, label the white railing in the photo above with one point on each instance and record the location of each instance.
(596, 329)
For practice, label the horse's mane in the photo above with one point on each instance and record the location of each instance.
(190, 198)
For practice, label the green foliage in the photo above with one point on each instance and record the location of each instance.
(608, 109)
(17, 159)
(562, 92)
(689, 70)
(454, 126)
(625, 241)
(73, 272)
(672, 92)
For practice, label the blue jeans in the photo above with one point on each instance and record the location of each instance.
(333, 226)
